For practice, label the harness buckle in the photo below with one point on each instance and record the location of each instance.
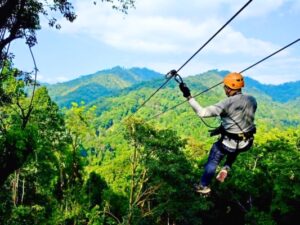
(242, 136)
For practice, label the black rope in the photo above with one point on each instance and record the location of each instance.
(35, 74)
(206, 90)
(209, 40)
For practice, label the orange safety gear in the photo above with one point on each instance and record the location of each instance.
(234, 81)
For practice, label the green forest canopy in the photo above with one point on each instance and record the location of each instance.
(90, 165)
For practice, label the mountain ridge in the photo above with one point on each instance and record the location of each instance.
(110, 82)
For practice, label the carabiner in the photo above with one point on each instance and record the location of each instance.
(171, 74)
(178, 79)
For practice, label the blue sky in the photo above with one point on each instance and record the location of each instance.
(163, 34)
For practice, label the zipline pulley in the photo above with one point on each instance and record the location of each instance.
(175, 75)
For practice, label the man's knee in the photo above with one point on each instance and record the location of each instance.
(211, 167)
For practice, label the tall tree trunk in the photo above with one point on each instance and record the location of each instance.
(15, 187)
(133, 185)
(10, 162)
(23, 191)
(11, 11)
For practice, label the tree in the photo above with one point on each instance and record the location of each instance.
(21, 18)
(25, 121)
(29, 154)
(162, 178)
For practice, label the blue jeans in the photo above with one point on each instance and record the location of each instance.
(216, 154)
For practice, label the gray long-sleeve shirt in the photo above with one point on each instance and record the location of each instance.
(236, 112)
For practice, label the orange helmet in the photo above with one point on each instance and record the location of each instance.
(234, 81)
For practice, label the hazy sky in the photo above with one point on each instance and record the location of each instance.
(163, 34)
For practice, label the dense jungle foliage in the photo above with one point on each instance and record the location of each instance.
(93, 164)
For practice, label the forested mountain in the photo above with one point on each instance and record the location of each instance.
(280, 93)
(102, 83)
(110, 162)
(111, 81)
(127, 100)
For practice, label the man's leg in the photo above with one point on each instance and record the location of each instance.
(215, 156)
(231, 157)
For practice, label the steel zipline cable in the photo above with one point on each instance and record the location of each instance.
(294, 42)
(206, 90)
(235, 15)
(209, 40)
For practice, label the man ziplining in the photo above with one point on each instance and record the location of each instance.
(237, 127)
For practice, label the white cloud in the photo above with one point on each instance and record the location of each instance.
(277, 70)
(144, 31)
(234, 42)
(212, 8)
(50, 79)
(175, 29)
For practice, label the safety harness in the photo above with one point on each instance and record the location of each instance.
(238, 137)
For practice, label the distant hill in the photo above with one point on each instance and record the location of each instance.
(280, 93)
(113, 82)
(102, 83)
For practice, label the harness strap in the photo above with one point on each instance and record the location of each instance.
(237, 137)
